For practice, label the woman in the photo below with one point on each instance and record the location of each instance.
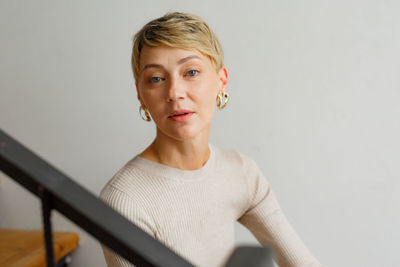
(181, 190)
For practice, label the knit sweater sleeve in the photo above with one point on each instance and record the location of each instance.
(265, 219)
(123, 204)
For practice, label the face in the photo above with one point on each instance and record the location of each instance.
(179, 88)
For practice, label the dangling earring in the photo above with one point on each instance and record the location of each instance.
(222, 100)
(146, 116)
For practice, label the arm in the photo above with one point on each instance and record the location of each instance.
(265, 219)
(123, 204)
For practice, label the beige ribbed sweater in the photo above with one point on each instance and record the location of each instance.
(193, 212)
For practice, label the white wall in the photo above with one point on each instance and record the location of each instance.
(314, 99)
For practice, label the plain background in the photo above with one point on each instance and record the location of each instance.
(314, 91)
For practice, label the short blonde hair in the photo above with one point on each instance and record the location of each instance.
(178, 30)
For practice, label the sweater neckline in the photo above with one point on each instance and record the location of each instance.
(158, 169)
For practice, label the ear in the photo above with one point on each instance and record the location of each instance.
(223, 77)
(138, 94)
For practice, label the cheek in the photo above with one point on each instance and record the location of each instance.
(149, 97)
(207, 98)
(210, 88)
(212, 93)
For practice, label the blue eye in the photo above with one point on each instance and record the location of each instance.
(192, 73)
(155, 79)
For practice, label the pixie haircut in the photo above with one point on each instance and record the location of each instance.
(177, 30)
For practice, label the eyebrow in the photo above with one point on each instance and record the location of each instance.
(152, 66)
(181, 61)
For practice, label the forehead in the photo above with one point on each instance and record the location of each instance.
(164, 55)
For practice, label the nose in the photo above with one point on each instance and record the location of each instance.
(176, 91)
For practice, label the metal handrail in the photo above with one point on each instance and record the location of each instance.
(57, 191)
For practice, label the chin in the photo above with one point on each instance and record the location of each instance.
(184, 133)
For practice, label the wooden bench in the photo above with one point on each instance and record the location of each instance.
(26, 248)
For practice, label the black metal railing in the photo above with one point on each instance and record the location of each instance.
(61, 193)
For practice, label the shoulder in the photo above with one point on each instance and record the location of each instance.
(238, 164)
(246, 169)
(129, 177)
(125, 191)
(234, 158)
(123, 195)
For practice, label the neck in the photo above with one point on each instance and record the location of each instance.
(189, 154)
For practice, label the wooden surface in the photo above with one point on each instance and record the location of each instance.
(20, 248)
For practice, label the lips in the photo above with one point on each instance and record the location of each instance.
(180, 112)
(180, 115)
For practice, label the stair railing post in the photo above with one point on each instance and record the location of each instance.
(46, 214)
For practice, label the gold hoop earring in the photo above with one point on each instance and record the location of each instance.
(222, 100)
(146, 115)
